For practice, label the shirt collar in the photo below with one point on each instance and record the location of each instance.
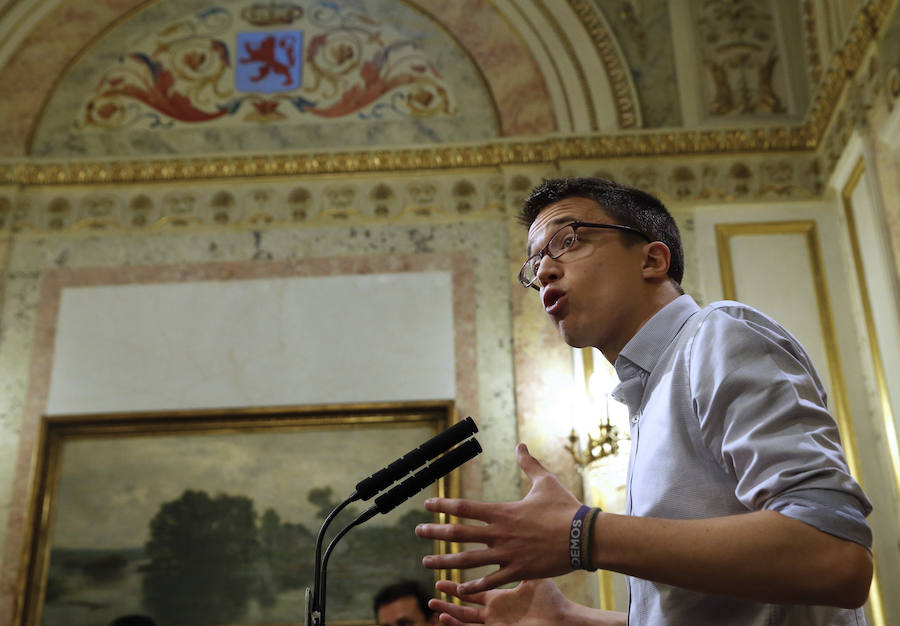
(651, 339)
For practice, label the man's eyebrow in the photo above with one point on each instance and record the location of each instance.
(562, 220)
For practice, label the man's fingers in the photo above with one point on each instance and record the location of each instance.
(446, 618)
(460, 560)
(466, 509)
(451, 588)
(454, 614)
(486, 583)
(458, 533)
(461, 614)
(447, 586)
(530, 465)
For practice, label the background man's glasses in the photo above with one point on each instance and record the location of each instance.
(561, 242)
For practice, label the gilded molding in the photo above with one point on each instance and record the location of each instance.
(358, 199)
(813, 53)
(846, 63)
(534, 152)
(616, 72)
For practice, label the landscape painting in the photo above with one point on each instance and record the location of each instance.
(211, 519)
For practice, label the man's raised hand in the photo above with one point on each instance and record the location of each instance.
(528, 538)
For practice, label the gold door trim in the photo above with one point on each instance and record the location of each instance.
(890, 430)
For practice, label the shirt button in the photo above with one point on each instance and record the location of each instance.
(635, 418)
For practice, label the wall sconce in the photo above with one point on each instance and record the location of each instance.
(589, 442)
(596, 448)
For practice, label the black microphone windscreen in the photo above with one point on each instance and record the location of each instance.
(416, 458)
(417, 482)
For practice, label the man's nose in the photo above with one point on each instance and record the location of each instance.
(549, 270)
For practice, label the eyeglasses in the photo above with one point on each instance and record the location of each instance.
(561, 242)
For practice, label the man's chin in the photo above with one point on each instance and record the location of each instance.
(574, 339)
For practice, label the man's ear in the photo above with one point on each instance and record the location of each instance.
(656, 260)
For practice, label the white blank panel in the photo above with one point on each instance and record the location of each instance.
(772, 272)
(334, 339)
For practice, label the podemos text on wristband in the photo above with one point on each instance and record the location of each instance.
(576, 533)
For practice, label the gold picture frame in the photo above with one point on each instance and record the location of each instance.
(229, 503)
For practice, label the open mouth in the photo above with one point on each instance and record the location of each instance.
(552, 299)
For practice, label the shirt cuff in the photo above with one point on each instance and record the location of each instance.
(833, 512)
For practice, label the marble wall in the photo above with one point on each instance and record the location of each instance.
(40, 266)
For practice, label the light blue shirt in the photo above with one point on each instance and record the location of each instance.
(728, 416)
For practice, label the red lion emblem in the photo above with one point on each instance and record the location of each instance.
(265, 54)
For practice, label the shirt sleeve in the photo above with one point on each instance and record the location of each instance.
(762, 413)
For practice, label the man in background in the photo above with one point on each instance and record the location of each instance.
(403, 604)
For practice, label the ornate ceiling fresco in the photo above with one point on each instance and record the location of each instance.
(194, 78)
(132, 91)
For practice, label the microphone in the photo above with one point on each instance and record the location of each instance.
(415, 458)
(399, 494)
(389, 500)
(378, 481)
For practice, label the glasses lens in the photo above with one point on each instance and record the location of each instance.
(561, 241)
(528, 273)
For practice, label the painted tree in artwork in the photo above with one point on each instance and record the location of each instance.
(287, 556)
(210, 557)
(203, 555)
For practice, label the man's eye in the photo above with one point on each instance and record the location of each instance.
(568, 241)
(535, 264)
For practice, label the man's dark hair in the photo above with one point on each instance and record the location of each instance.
(403, 589)
(627, 205)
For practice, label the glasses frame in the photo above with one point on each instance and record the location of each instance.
(574, 225)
